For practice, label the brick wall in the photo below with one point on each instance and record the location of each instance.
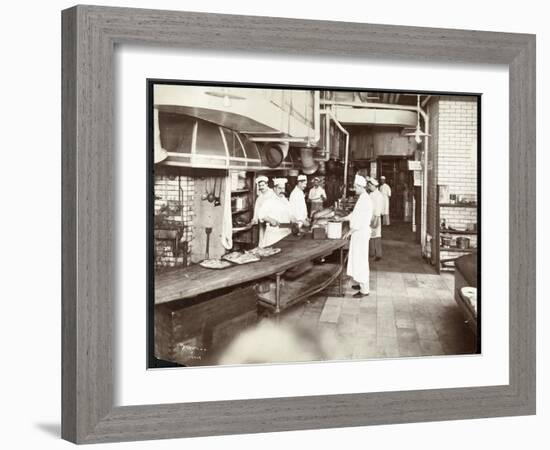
(452, 159)
(457, 164)
(457, 158)
(173, 210)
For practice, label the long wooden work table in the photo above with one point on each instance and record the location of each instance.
(190, 282)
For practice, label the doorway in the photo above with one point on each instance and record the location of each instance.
(401, 181)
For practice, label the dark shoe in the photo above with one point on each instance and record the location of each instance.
(359, 295)
(356, 287)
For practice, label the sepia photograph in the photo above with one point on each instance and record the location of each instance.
(311, 224)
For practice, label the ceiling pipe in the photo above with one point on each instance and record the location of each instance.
(278, 139)
(316, 116)
(260, 132)
(424, 203)
(425, 101)
(330, 115)
(327, 135)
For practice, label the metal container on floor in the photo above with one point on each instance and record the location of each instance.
(463, 243)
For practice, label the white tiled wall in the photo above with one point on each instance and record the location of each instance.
(457, 145)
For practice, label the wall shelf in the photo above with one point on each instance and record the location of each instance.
(438, 248)
(240, 211)
(242, 229)
(458, 205)
(244, 236)
(445, 231)
(457, 250)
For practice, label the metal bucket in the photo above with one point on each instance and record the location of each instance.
(463, 242)
(334, 230)
(446, 241)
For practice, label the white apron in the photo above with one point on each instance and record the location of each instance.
(260, 201)
(358, 259)
(385, 190)
(315, 196)
(377, 207)
(277, 208)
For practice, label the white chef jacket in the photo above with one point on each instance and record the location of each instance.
(315, 194)
(277, 208)
(385, 190)
(378, 204)
(260, 201)
(358, 260)
(298, 204)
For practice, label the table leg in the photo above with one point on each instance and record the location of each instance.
(341, 272)
(278, 293)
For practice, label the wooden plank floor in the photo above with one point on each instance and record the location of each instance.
(410, 312)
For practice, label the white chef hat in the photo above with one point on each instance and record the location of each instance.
(372, 181)
(279, 181)
(360, 180)
(261, 178)
(302, 177)
(382, 177)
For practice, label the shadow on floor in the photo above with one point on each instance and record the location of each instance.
(399, 231)
(53, 429)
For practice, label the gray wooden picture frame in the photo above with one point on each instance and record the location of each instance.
(90, 34)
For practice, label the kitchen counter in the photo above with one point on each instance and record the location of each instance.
(189, 282)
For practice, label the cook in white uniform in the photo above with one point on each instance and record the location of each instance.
(274, 211)
(385, 190)
(375, 244)
(264, 193)
(298, 201)
(316, 196)
(360, 228)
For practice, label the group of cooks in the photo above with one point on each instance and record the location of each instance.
(273, 209)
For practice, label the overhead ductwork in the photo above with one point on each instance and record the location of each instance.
(159, 153)
(186, 141)
(379, 117)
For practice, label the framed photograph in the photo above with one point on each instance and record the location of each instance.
(236, 270)
(309, 214)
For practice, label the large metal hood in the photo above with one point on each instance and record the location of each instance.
(186, 141)
(379, 117)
